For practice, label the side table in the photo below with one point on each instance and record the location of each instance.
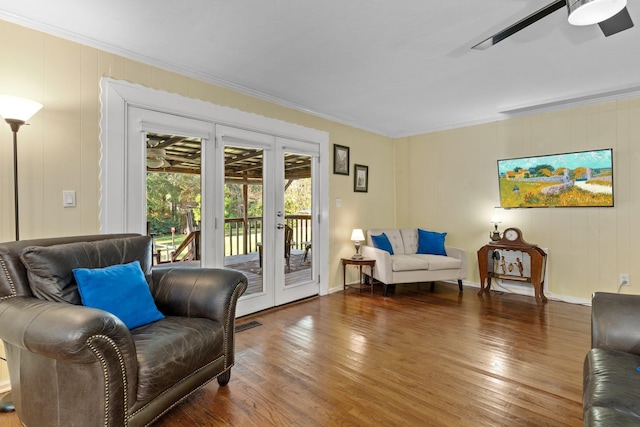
(359, 263)
(512, 241)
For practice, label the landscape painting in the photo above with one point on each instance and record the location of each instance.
(578, 179)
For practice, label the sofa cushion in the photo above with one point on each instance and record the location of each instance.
(50, 268)
(439, 262)
(431, 242)
(611, 381)
(410, 240)
(119, 289)
(382, 242)
(405, 262)
(424, 262)
(176, 347)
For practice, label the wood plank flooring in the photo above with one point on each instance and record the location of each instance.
(440, 358)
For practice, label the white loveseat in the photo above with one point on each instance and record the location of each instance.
(407, 266)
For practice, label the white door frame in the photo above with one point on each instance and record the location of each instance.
(292, 292)
(142, 121)
(226, 135)
(117, 97)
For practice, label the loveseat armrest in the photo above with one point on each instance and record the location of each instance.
(460, 254)
(63, 331)
(210, 293)
(383, 270)
(615, 322)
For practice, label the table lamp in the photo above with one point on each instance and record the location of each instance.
(357, 236)
(495, 220)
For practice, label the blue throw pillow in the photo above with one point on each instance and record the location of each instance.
(431, 242)
(119, 289)
(382, 242)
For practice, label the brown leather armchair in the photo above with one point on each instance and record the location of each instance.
(611, 384)
(72, 365)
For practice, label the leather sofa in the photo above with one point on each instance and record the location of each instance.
(73, 365)
(407, 266)
(611, 387)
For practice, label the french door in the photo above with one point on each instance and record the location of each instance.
(146, 133)
(273, 244)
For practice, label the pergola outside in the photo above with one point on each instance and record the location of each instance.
(243, 166)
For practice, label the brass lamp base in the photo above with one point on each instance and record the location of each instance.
(357, 254)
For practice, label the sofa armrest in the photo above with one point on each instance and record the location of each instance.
(63, 331)
(615, 322)
(210, 293)
(383, 270)
(460, 254)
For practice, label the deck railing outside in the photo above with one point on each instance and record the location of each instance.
(242, 239)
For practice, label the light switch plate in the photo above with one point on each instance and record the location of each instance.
(68, 199)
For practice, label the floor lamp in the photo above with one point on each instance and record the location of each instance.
(15, 111)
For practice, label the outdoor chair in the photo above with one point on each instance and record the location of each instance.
(288, 242)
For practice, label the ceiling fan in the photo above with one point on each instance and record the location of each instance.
(157, 158)
(161, 158)
(611, 16)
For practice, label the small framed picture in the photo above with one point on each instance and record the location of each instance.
(360, 178)
(340, 159)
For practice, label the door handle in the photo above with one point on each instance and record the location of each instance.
(280, 226)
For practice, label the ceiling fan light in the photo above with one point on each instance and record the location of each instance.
(588, 12)
(155, 163)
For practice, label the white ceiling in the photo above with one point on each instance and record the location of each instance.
(395, 67)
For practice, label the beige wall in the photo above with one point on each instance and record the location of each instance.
(443, 180)
(60, 149)
(447, 181)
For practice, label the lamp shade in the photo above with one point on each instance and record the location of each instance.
(12, 107)
(588, 12)
(357, 235)
(495, 219)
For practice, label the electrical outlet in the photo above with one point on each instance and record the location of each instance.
(624, 279)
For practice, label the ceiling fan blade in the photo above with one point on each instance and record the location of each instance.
(523, 23)
(618, 22)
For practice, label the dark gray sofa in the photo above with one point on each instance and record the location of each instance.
(611, 388)
(72, 365)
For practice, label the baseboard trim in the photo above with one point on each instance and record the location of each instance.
(5, 386)
(528, 291)
(504, 287)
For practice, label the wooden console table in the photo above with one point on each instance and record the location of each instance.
(512, 241)
(359, 263)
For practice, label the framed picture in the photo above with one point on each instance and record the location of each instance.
(360, 178)
(340, 159)
(577, 179)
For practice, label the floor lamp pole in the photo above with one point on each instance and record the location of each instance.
(14, 128)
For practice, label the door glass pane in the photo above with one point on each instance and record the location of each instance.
(298, 211)
(243, 212)
(174, 197)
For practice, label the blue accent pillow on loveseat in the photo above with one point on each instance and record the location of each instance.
(382, 242)
(431, 242)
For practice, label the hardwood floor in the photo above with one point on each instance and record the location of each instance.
(438, 358)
